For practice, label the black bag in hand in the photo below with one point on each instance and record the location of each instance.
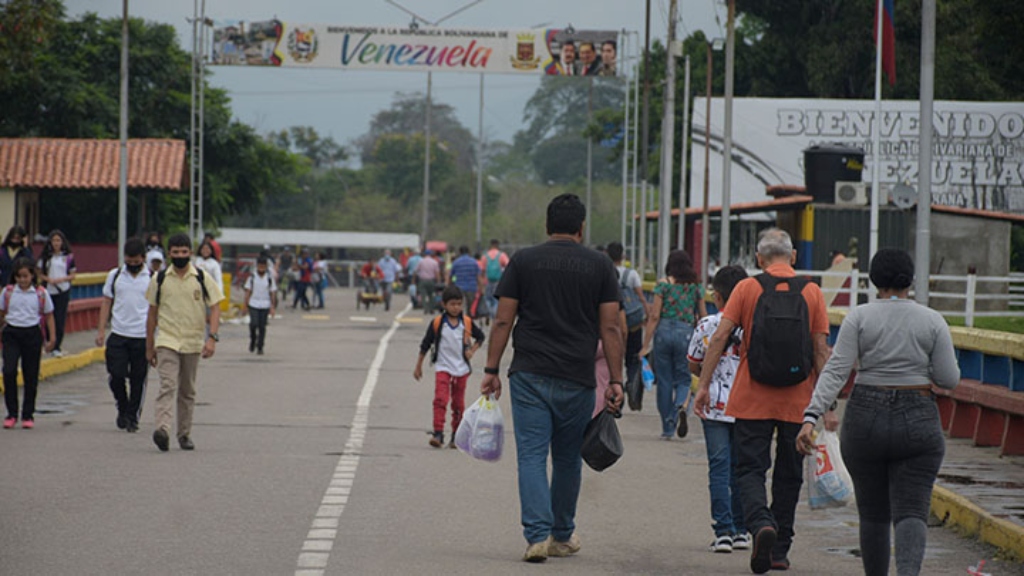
(602, 444)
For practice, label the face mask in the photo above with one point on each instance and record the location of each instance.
(133, 268)
(180, 262)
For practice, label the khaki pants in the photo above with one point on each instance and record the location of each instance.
(177, 375)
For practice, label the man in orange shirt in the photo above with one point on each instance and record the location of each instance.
(762, 409)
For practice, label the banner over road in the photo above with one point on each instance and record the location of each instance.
(526, 51)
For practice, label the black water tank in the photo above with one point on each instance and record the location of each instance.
(826, 164)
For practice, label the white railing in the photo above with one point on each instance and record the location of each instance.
(1011, 290)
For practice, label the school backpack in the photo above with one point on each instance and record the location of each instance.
(40, 293)
(634, 307)
(780, 352)
(467, 338)
(493, 267)
(200, 276)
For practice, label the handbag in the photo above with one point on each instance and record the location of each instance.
(602, 444)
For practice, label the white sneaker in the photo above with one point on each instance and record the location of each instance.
(562, 549)
(538, 551)
(741, 541)
(722, 544)
(57, 354)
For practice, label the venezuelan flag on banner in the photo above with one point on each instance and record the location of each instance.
(888, 42)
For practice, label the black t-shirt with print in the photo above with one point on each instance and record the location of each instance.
(559, 285)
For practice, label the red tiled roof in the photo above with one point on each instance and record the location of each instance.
(65, 163)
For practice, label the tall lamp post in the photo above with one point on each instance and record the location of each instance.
(416, 18)
(705, 220)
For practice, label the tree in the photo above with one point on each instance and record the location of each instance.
(407, 116)
(321, 152)
(62, 86)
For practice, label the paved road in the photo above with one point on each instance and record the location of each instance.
(314, 457)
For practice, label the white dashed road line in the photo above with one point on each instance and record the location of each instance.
(316, 550)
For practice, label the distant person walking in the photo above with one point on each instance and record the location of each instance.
(678, 305)
(562, 298)
(410, 274)
(465, 273)
(25, 308)
(893, 443)
(632, 288)
(780, 358)
(260, 302)
(428, 274)
(13, 248)
(209, 238)
(391, 271)
(319, 278)
(125, 304)
(493, 264)
(56, 272)
(182, 301)
(304, 267)
(208, 261)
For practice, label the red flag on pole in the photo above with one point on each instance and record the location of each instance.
(888, 42)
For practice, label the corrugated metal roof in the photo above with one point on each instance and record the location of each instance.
(317, 238)
(66, 163)
(794, 201)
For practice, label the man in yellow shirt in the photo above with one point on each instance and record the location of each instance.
(182, 300)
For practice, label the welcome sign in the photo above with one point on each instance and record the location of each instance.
(526, 51)
(977, 147)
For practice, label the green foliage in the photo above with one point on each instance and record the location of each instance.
(62, 81)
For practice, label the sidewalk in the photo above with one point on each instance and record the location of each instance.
(978, 493)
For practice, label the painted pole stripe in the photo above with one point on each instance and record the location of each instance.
(319, 541)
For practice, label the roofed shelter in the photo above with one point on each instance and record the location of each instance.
(71, 184)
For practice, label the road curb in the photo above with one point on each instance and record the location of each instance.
(51, 367)
(959, 512)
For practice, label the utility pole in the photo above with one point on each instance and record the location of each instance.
(590, 157)
(625, 140)
(122, 186)
(705, 220)
(480, 171)
(923, 238)
(668, 122)
(426, 163)
(730, 52)
(682, 156)
(641, 264)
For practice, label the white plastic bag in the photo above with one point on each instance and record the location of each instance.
(465, 430)
(482, 431)
(828, 483)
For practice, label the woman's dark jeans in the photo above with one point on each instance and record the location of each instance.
(893, 446)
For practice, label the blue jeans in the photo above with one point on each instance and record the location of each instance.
(492, 300)
(549, 414)
(671, 370)
(726, 507)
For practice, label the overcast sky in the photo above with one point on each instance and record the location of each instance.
(341, 103)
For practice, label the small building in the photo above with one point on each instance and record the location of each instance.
(72, 184)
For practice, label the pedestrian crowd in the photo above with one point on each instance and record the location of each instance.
(582, 328)
(581, 325)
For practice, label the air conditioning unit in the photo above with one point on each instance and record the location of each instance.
(852, 193)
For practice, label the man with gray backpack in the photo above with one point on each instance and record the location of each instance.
(636, 309)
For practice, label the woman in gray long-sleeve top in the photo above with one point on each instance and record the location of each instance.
(892, 439)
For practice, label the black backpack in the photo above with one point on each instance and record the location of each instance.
(780, 352)
(200, 276)
(632, 305)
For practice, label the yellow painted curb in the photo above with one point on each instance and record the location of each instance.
(50, 367)
(955, 510)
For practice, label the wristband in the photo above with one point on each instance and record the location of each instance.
(491, 371)
(619, 382)
(835, 404)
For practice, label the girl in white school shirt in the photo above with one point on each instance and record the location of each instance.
(24, 307)
(56, 272)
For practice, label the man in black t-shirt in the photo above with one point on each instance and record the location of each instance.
(562, 297)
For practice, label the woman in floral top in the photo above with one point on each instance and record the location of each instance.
(678, 305)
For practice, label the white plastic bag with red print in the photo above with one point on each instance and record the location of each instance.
(828, 483)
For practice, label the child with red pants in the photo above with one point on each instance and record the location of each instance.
(452, 338)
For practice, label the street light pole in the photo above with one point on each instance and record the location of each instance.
(426, 162)
(122, 187)
(730, 49)
(705, 220)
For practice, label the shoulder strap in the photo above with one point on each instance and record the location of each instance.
(113, 284)
(41, 294)
(467, 324)
(160, 284)
(437, 324)
(202, 284)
